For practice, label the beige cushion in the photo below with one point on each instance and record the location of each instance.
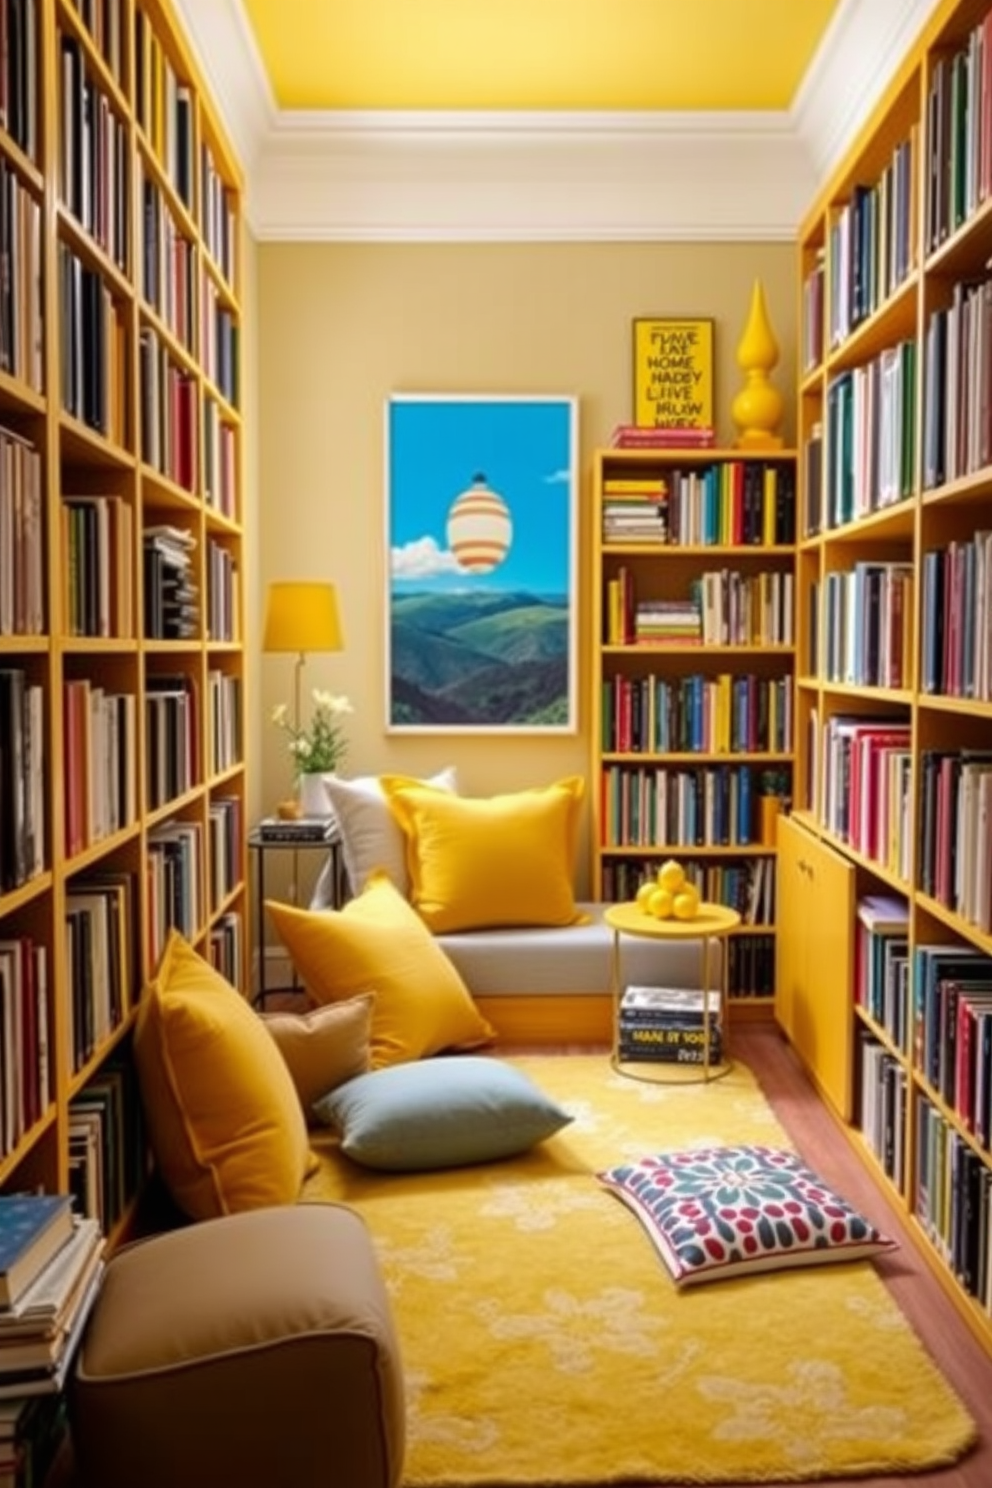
(256, 1350)
(325, 1046)
(223, 1116)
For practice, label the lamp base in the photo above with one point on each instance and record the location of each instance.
(289, 810)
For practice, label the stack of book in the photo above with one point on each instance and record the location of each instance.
(671, 436)
(51, 1264)
(665, 1025)
(297, 829)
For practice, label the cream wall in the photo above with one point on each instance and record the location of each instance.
(341, 326)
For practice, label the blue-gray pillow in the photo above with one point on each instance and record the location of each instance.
(445, 1112)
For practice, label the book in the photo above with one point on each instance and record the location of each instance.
(686, 1002)
(32, 1228)
(302, 829)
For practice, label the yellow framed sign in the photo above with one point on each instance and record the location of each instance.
(673, 373)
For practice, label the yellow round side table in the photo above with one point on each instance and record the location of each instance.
(713, 922)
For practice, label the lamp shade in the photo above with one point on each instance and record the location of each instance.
(302, 617)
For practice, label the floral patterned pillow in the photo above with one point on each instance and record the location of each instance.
(714, 1212)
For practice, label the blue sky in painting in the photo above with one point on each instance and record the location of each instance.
(436, 448)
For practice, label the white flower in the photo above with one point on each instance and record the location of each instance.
(321, 745)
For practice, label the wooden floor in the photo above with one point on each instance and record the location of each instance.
(823, 1144)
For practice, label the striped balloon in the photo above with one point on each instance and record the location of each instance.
(480, 529)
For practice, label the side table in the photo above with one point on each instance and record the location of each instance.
(282, 838)
(712, 924)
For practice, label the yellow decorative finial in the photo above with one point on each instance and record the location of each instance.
(757, 408)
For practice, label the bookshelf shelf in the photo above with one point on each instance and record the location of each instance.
(712, 565)
(87, 740)
(895, 782)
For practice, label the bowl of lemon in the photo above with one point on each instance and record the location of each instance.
(669, 895)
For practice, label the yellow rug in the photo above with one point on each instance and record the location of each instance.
(543, 1342)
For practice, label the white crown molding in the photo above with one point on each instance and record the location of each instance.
(861, 49)
(523, 176)
(518, 176)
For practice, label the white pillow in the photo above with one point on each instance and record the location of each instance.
(370, 836)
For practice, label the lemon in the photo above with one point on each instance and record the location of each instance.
(671, 876)
(644, 893)
(660, 904)
(685, 905)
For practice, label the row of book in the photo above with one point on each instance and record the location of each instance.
(225, 826)
(224, 713)
(866, 802)
(25, 1038)
(223, 593)
(957, 427)
(956, 627)
(93, 344)
(174, 882)
(871, 432)
(725, 714)
(703, 806)
(101, 786)
(22, 582)
(723, 607)
(171, 735)
(959, 132)
(955, 832)
(867, 632)
(735, 502)
(881, 965)
(100, 961)
(22, 796)
(954, 1200)
(871, 247)
(21, 315)
(882, 1106)
(98, 571)
(951, 992)
(94, 176)
(168, 264)
(220, 472)
(169, 412)
(668, 1025)
(164, 108)
(20, 47)
(219, 341)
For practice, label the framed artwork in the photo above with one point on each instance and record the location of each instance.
(481, 537)
(673, 373)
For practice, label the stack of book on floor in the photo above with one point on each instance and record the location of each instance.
(665, 1025)
(51, 1264)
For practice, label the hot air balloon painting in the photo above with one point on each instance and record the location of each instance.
(481, 528)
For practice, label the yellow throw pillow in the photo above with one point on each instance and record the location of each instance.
(421, 1003)
(482, 862)
(325, 1046)
(224, 1120)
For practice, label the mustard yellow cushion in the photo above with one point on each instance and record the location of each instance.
(481, 862)
(224, 1120)
(377, 941)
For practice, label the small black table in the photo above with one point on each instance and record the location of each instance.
(273, 835)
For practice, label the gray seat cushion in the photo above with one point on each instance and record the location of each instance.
(572, 959)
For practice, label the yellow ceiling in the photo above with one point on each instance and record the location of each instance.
(537, 54)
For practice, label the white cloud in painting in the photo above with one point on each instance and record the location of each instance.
(422, 559)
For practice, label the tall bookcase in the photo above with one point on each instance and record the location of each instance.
(894, 687)
(122, 775)
(693, 605)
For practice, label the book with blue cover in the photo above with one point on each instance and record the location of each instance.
(32, 1229)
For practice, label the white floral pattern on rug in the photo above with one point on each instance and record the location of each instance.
(808, 1410)
(539, 1205)
(473, 1435)
(431, 1258)
(574, 1330)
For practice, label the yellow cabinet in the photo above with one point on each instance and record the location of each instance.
(814, 969)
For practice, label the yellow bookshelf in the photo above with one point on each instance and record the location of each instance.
(121, 597)
(693, 606)
(893, 690)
